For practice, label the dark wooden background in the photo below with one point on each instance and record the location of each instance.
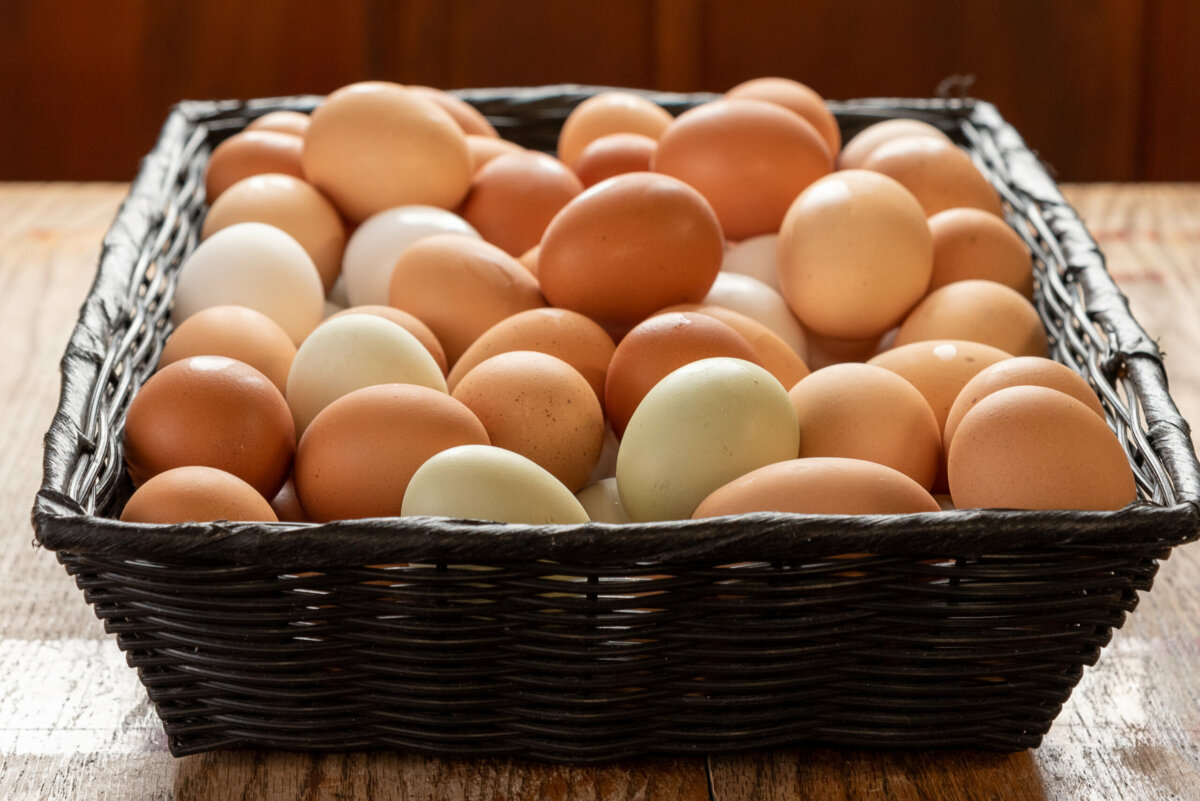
(1102, 89)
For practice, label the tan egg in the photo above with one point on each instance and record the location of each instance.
(569, 335)
(602, 502)
(629, 246)
(939, 368)
(1016, 372)
(375, 145)
(539, 406)
(756, 300)
(824, 351)
(469, 118)
(530, 259)
(757, 257)
(358, 455)
(658, 346)
(824, 486)
(614, 154)
(252, 153)
(211, 411)
(409, 323)
(460, 287)
(238, 333)
(855, 255)
(796, 97)
(196, 494)
(609, 113)
(514, 197)
(979, 311)
(779, 359)
(861, 411)
(1031, 447)
(291, 205)
(939, 174)
(286, 504)
(859, 149)
(970, 243)
(485, 148)
(289, 122)
(749, 159)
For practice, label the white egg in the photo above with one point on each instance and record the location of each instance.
(755, 257)
(756, 300)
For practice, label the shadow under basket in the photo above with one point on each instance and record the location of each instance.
(597, 642)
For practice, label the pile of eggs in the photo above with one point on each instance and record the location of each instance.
(394, 311)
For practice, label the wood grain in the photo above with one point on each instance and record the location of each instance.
(75, 723)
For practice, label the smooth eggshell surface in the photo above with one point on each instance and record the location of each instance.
(236, 332)
(978, 311)
(859, 149)
(409, 323)
(252, 153)
(614, 154)
(938, 173)
(609, 113)
(796, 97)
(761, 302)
(602, 502)
(770, 351)
(196, 494)
(756, 257)
(971, 243)
(515, 195)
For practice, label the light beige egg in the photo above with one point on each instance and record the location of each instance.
(602, 502)
(756, 257)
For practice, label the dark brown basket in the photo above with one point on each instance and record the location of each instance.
(595, 642)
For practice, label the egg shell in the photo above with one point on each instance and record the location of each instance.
(939, 174)
(758, 301)
(769, 350)
(602, 502)
(1032, 447)
(855, 255)
(289, 122)
(979, 311)
(609, 113)
(971, 243)
(357, 456)
(862, 411)
(858, 149)
(409, 323)
(485, 148)
(286, 504)
(795, 97)
(756, 257)
(699, 428)
(211, 411)
(291, 205)
(629, 246)
(539, 406)
(824, 351)
(614, 154)
(460, 287)
(252, 153)
(658, 346)
(467, 117)
(375, 145)
(238, 333)
(196, 494)
(529, 259)
(749, 159)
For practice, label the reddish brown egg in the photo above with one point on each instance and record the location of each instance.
(795, 97)
(196, 494)
(409, 323)
(609, 113)
(775, 355)
(252, 153)
(485, 148)
(515, 195)
(971, 243)
(289, 122)
(530, 259)
(859, 149)
(614, 154)
(939, 174)
(978, 311)
(236, 332)
(469, 118)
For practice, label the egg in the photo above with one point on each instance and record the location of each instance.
(375, 145)
(855, 255)
(609, 113)
(196, 494)
(468, 118)
(758, 301)
(602, 502)
(978, 311)
(236, 332)
(357, 456)
(859, 149)
(255, 265)
(485, 148)
(1030, 447)
(529, 259)
(614, 154)
(798, 98)
(539, 406)
(460, 287)
(286, 504)
(373, 248)
(409, 323)
(939, 174)
(749, 159)
(971, 243)
(779, 359)
(252, 153)
(699, 428)
(215, 412)
(289, 122)
(755, 257)
(291, 205)
(824, 351)
(629, 246)
(482, 482)
(820, 485)
(515, 195)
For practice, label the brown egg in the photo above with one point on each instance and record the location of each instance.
(514, 197)
(460, 287)
(824, 351)
(657, 346)
(609, 113)
(775, 355)
(289, 122)
(569, 335)
(1036, 448)
(970, 243)
(873, 231)
(630, 246)
(824, 486)
(469, 118)
(614, 154)
(252, 153)
(979, 311)
(859, 149)
(375, 145)
(286, 504)
(485, 148)
(861, 411)
(539, 406)
(749, 159)
(530, 259)
(796, 97)
(196, 494)
(212, 411)
(939, 174)
(357, 456)
(409, 323)
(291, 205)
(236, 332)
(1016, 372)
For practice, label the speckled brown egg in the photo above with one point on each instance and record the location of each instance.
(939, 174)
(971, 243)
(979, 311)
(196, 494)
(515, 195)
(236, 332)
(252, 153)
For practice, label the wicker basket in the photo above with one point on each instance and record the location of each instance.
(596, 642)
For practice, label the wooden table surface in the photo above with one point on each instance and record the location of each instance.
(75, 723)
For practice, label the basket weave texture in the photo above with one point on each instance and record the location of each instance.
(596, 642)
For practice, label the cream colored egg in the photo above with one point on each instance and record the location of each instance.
(483, 482)
(755, 257)
(602, 502)
(758, 301)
